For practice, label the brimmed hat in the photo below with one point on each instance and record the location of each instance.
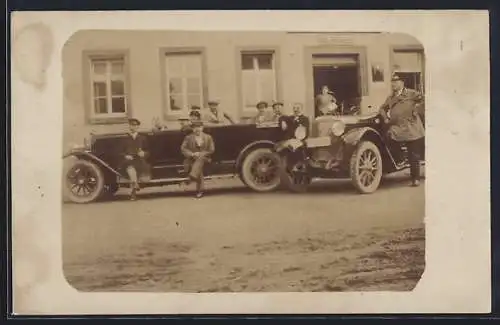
(195, 107)
(277, 103)
(134, 121)
(396, 77)
(213, 102)
(195, 113)
(262, 103)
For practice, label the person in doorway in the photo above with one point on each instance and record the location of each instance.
(135, 149)
(400, 112)
(326, 101)
(197, 149)
(217, 116)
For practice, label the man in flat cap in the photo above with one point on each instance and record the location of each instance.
(197, 149)
(135, 154)
(187, 123)
(262, 115)
(401, 113)
(277, 111)
(217, 116)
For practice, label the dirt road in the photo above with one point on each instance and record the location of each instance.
(330, 239)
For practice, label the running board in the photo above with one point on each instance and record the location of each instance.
(178, 179)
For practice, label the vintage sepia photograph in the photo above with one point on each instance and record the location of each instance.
(238, 161)
(250, 162)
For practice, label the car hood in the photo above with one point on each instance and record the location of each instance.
(347, 119)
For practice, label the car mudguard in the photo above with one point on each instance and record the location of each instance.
(353, 137)
(82, 154)
(250, 147)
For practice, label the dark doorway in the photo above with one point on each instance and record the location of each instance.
(341, 74)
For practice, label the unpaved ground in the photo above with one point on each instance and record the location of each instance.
(330, 239)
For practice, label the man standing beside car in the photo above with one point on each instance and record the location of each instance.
(135, 148)
(197, 148)
(401, 114)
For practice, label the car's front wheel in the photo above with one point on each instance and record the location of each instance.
(260, 170)
(84, 182)
(366, 167)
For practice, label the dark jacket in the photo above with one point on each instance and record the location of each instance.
(403, 113)
(189, 147)
(132, 147)
(300, 120)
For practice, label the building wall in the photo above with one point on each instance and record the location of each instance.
(221, 49)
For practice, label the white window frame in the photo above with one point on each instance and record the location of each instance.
(184, 110)
(255, 70)
(107, 78)
(421, 58)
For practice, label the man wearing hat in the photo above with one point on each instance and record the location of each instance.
(277, 111)
(186, 123)
(401, 114)
(215, 115)
(135, 154)
(197, 148)
(262, 116)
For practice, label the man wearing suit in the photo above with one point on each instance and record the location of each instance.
(135, 152)
(197, 148)
(402, 116)
(298, 118)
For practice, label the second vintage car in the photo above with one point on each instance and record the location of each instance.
(340, 147)
(243, 150)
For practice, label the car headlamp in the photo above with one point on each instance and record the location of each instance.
(300, 132)
(337, 128)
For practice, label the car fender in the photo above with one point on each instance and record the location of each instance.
(250, 147)
(87, 155)
(353, 137)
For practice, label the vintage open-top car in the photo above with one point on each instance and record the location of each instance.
(348, 146)
(244, 150)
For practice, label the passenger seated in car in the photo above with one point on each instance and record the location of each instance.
(134, 151)
(217, 116)
(197, 149)
(277, 111)
(194, 116)
(262, 115)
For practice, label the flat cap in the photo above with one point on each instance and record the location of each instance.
(262, 103)
(277, 103)
(395, 77)
(213, 102)
(134, 121)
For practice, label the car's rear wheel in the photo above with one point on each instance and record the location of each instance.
(366, 167)
(260, 170)
(84, 182)
(295, 176)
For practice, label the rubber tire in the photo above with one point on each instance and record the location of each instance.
(245, 171)
(99, 187)
(353, 168)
